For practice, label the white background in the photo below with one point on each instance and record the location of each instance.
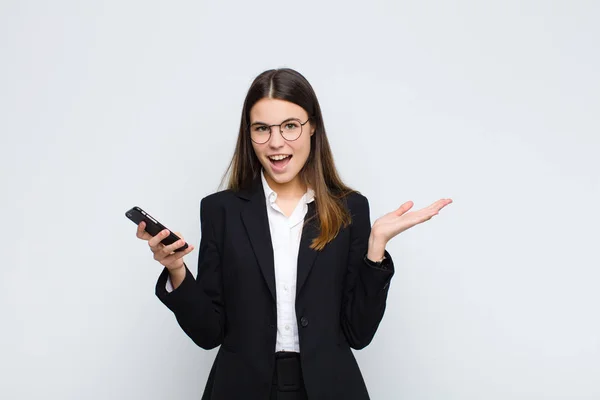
(106, 105)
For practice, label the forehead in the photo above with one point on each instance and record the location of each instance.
(276, 110)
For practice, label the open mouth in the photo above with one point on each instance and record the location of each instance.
(280, 161)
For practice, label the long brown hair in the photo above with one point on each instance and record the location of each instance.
(319, 171)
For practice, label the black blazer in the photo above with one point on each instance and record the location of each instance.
(340, 300)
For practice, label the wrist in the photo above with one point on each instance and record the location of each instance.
(376, 248)
(176, 269)
(177, 276)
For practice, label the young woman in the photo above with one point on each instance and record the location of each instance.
(291, 274)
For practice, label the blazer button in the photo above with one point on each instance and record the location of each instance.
(304, 322)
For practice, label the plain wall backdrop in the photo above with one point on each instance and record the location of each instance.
(106, 105)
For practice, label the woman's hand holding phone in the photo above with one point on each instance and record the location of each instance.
(166, 255)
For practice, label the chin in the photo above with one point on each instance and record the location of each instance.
(282, 179)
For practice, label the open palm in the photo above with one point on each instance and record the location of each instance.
(399, 220)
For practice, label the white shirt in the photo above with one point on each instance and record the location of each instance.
(286, 233)
(285, 236)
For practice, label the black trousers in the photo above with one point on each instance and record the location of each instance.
(287, 378)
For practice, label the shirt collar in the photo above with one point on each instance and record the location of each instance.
(271, 195)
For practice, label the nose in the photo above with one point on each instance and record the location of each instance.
(276, 141)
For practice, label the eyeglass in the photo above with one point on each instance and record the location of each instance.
(290, 130)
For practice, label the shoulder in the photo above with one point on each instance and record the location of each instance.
(355, 199)
(219, 200)
(356, 202)
(215, 207)
(219, 197)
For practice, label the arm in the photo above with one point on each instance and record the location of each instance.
(198, 303)
(365, 287)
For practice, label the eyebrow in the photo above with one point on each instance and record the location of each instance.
(264, 123)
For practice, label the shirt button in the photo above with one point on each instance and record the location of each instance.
(304, 322)
(287, 327)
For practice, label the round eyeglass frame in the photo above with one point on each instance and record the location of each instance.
(280, 130)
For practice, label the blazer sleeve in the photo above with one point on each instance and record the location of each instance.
(365, 287)
(198, 303)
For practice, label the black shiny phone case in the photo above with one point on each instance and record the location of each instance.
(153, 227)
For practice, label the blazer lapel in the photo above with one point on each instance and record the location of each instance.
(306, 255)
(256, 222)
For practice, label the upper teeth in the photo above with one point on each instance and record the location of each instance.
(278, 157)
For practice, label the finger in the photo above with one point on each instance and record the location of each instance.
(179, 235)
(140, 230)
(172, 257)
(436, 206)
(173, 246)
(422, 215)
(434, 209)
(141, 233)
(442, 203)
(404, 208)
(158, 238)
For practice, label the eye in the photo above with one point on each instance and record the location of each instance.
(260, 128)
(291, 126)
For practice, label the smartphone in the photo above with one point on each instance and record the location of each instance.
(153, 227)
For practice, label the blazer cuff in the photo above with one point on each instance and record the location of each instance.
(182, 297)
(377, 280)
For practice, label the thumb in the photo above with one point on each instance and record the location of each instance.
(404, 208)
